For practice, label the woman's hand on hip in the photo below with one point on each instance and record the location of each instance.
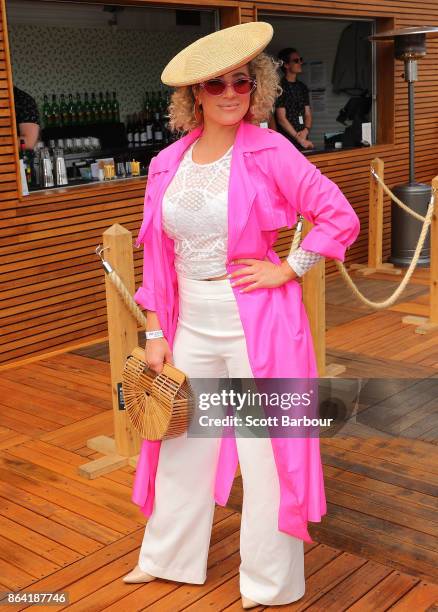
(260, 273)
(157, 352)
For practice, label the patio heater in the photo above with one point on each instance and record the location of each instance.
(409, 46)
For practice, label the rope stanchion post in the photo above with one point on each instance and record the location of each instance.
(434, 262)
(428, 324)
(314, 301)
(375, 225)
(122, 336)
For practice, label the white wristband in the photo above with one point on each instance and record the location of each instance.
(156, 333)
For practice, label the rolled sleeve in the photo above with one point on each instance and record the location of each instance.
(145, 297)
(319, 200)
(145, 294)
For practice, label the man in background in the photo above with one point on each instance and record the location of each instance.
(293, 114)
(27, 118)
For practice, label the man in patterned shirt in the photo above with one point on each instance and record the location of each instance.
(27, 118)
(293, 114)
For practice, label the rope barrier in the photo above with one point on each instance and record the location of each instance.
(395, 295)
(130, 304)
(134, 309)
(395, 198)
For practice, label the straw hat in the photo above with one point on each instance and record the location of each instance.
(217, 53)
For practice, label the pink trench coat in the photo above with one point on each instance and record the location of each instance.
(270, 182)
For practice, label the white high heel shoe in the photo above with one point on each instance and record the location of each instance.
(248, 603)
(136, 576)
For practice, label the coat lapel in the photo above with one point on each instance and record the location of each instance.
(241, 188)
(242, 185)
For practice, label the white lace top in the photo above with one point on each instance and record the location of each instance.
(195, 216)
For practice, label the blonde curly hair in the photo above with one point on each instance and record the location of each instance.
(263, 68)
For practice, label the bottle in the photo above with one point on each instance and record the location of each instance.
(87, 110)
(149, 127)
(94, 114)
(26, 161)
(166, 119)
(101, 109)
(63, 111)
(146, 103)
(161, 103)
(136, 131)
(116, 108)
(143, 131)
(46, 111)
(157, 130)
(71, 111)
(79, 110)
(129, 132)
(152, 103)
(55, 112)
(108, 108)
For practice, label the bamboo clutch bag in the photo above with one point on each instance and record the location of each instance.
(160, 406)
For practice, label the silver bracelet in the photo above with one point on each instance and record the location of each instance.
(156, 333)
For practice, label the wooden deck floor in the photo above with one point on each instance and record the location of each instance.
(377, 549)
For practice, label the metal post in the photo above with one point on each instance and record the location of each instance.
(411, 133)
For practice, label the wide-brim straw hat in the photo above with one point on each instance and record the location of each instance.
(217, 53)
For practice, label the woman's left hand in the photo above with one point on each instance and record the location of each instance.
(260, 273)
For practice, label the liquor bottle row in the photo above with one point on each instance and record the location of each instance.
(75, 112)
(146, 129)
(156, 102)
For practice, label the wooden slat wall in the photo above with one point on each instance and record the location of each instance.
(51, 282)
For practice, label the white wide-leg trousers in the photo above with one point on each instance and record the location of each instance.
(210, 343)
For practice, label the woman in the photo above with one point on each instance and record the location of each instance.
(222, 304)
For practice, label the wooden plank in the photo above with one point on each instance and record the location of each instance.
(387, 592)
(62, 579)
(421, 597)
(373, 545)
(80, 501)
(72, 520)
(89, 491)
(18, 557)
(42, 545)
(13, 577)
(353, 587)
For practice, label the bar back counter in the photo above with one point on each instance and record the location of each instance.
(52, 284)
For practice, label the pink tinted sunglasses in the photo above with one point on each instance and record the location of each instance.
(216, 87)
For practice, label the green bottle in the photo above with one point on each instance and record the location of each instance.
(116, 108)
(102, 109)
(87, 110)
(55, 122)
(63, 111)
(46, 111)
(71, 111)
(94, 109)
(108, 108)
(79, 110)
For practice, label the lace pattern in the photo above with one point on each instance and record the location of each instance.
(301, 260)
(195, 216)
